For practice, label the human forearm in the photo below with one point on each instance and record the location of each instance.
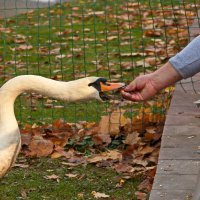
(165, 76)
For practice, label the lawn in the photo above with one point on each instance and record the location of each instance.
(74, 40)
(118, 40)
(36, 182)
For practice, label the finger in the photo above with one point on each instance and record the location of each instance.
(132, 96)
(130, 87)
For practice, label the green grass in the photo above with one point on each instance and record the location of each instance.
(32, 181)
(84, 40)
(41, 26)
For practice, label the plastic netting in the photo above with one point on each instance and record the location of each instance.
(118, 40)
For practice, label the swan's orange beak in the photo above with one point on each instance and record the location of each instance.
(110, 86)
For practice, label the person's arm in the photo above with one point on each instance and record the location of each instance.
(183, 65)
(187, 61)
(146, 86)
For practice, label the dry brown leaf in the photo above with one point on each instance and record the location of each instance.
(24, 47)
(145, 185)
(77, 159)
(151, 61)
(152, 33)
(143, 163)
(132, 138)
(55, 51)
(24, 194)
(127, 65)
(70, 164)
(102, 136)
(71, 175)
(40, 147)
(133, 54)
(61, 139)
(59, 151)
(21, 165)
(111, 38)
(96, 13)
(142, 63)
(60, 56)
(128, 153)
(5, 30)
(151, 171)
(52, 177)
(117, 120)
(55, 155)
(146, 150)
(108, 155)
(140, 195)
(123, 168)
(98, 195)
(26, 138)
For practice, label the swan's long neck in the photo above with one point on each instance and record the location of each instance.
(9, 131)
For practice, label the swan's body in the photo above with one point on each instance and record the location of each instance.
(73, 91)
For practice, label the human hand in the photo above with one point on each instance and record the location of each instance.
(146, 86)
(142, 88)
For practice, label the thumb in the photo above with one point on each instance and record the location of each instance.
(130, 87)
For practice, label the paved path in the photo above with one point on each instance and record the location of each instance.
(10, 8)
(179, 160)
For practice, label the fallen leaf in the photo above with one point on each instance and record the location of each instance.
(60, 56)
(145, 185)
(108, 155)
(98, 195)
(24, 194)
(55, 51)
(140, 195)
(116, 120)
(102, 136)
(143, 163)
(71, 175)
(24, 47)
(40, 147)
(146, 150)
(52, 177)
(123, 168)
(21, 165)
(132, 138)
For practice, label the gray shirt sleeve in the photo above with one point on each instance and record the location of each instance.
(187, 61)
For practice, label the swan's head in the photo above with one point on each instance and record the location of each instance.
(95, 87)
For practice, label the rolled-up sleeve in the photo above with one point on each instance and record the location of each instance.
(187, 61)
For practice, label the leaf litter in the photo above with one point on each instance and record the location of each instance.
(82, 143)
(129, 145)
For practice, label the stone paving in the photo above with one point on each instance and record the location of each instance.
(179, 158)
(178, 170)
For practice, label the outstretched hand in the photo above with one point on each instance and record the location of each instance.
(146, 86)
(142, 88)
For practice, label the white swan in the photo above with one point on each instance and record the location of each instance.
(79, 90)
